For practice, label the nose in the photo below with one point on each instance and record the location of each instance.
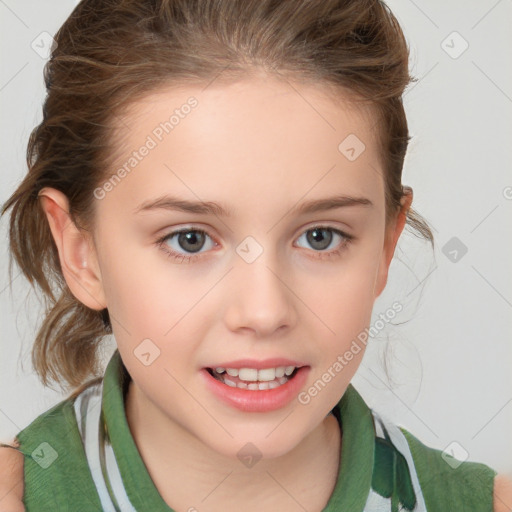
(258, 296)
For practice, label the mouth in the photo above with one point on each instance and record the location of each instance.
(254, 379)
(263, 389)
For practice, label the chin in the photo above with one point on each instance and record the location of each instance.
(254, 446)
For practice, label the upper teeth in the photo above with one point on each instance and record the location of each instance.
(252, 374)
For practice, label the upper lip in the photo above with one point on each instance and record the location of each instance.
(258, 365)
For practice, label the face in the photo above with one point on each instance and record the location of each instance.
(281, 270)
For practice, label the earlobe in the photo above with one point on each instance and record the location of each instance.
(76, 252)
(392, 236)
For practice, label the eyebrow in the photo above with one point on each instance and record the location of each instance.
(212, 208)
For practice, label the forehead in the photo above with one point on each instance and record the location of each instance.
(257, 137)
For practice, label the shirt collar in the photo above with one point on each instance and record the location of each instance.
(357, 447)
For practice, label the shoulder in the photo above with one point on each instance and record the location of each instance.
(445, 479)
(46, 439)
(55, 459)
(440, 481)
(11, 477)
(502, 494)
(59, 423)
(50, 425)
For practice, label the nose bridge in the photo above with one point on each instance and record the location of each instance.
(261, 298)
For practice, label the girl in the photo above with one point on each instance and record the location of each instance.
(170, 124)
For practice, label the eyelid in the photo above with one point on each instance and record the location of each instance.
(345, 230)
(335, 226)
(186, 228)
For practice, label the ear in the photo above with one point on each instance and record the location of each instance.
(77, 253)
(392, 235)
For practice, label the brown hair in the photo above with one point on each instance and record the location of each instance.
(109, 53)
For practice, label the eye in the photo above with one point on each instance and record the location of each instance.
(189, 239)
(321, 237)
(192, 240)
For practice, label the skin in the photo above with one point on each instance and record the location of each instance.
(256, 146)
(11, 479)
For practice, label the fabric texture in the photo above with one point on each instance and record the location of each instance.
(80, 456)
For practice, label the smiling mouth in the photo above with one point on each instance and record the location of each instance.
(253, 380)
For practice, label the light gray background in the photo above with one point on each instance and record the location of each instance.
(450, 362)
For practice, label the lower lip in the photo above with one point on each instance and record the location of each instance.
(261, 400)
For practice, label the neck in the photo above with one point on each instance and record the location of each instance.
(186, 471)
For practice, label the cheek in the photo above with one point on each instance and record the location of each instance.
(344, 296)
(138, 301)
(148, 301)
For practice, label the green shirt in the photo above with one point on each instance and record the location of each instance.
(72, 463)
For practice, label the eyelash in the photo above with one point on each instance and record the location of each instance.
(347, 240)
